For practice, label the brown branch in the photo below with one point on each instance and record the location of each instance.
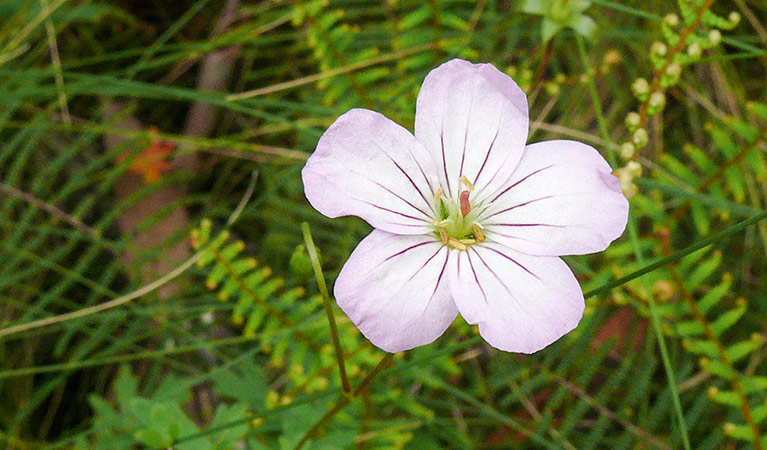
(722, 353)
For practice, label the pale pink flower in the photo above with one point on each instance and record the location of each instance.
(467, 217)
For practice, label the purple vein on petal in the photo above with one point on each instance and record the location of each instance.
(487, 156)
(494, 274)
(466, 136)
(393, 211)
(444, 162)
(401, 252)
(514, 261)
(518, 205)
(476, 278)
(520, 181)
(526, 225)
(424, 264)
(439, 279)
(402, 198)
(409, 177)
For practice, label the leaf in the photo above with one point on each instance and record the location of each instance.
(244, 382)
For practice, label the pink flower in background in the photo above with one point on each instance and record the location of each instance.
(468, 219)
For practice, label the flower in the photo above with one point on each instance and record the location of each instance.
(467, 217)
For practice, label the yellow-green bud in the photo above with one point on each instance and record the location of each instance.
(641, 88)
(634, 168)
(674, 70)
(612, 57)
(672, 19)
(633, 120)
(640, 138)
(657, 100)
(715, 36)
(734, 18)
(694, 50)
(658, 48)
(627, 150)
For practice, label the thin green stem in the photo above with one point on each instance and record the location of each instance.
(714, 238)
(344, 400)
(633, 235)
(138, 292)
(312, 250)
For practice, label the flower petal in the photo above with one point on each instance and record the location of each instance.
(522, 303)
(394, 290)
(561, 200)
(368, 166)
(473, 120)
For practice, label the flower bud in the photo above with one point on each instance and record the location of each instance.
(672, 19)
(694, 50)
(634, 168)
(633, 120)
(640, 87)
(627, 150)
(674, 70)
(734, 18)
(612, 57)
(640, 138)
(715, 36)
(658, 48)
(657, 100)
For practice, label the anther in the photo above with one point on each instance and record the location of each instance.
(478, 232)
(465, 205)
(443, 235)
(467, 241)
(438, 195)
(467, 182)
(456, 244)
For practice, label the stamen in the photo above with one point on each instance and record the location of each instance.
(443, 235)
(441, 223)
(456, 244)
(465, 205)
(438, 195)
(467, 182)
(467, 241)
(476, 228)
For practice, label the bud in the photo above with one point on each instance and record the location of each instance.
(674, 70)
(640, 138)
(715, 36)
(627, 150)
(658, 48)
(634, 168)
(633, 120)
(657, 101)
(612, 57)
(734, 18)
(663, 290)
(694, 50)
(630, 190)
(672, 19)
(641, 88)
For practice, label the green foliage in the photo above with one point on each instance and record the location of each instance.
(235, 352)
(157, 420)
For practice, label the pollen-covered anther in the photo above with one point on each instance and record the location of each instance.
(456, 244)
(468, 183)
(477, 231)
(465, 205)
(467, 241)
(438, 195)
(443, 235)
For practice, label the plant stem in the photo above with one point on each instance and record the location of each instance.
(344, 400)
(312, 250)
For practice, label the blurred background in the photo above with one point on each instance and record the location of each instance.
(130, 131)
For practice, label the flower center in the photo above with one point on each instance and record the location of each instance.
(457, 225)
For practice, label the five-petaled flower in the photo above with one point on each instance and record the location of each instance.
(467, 217)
